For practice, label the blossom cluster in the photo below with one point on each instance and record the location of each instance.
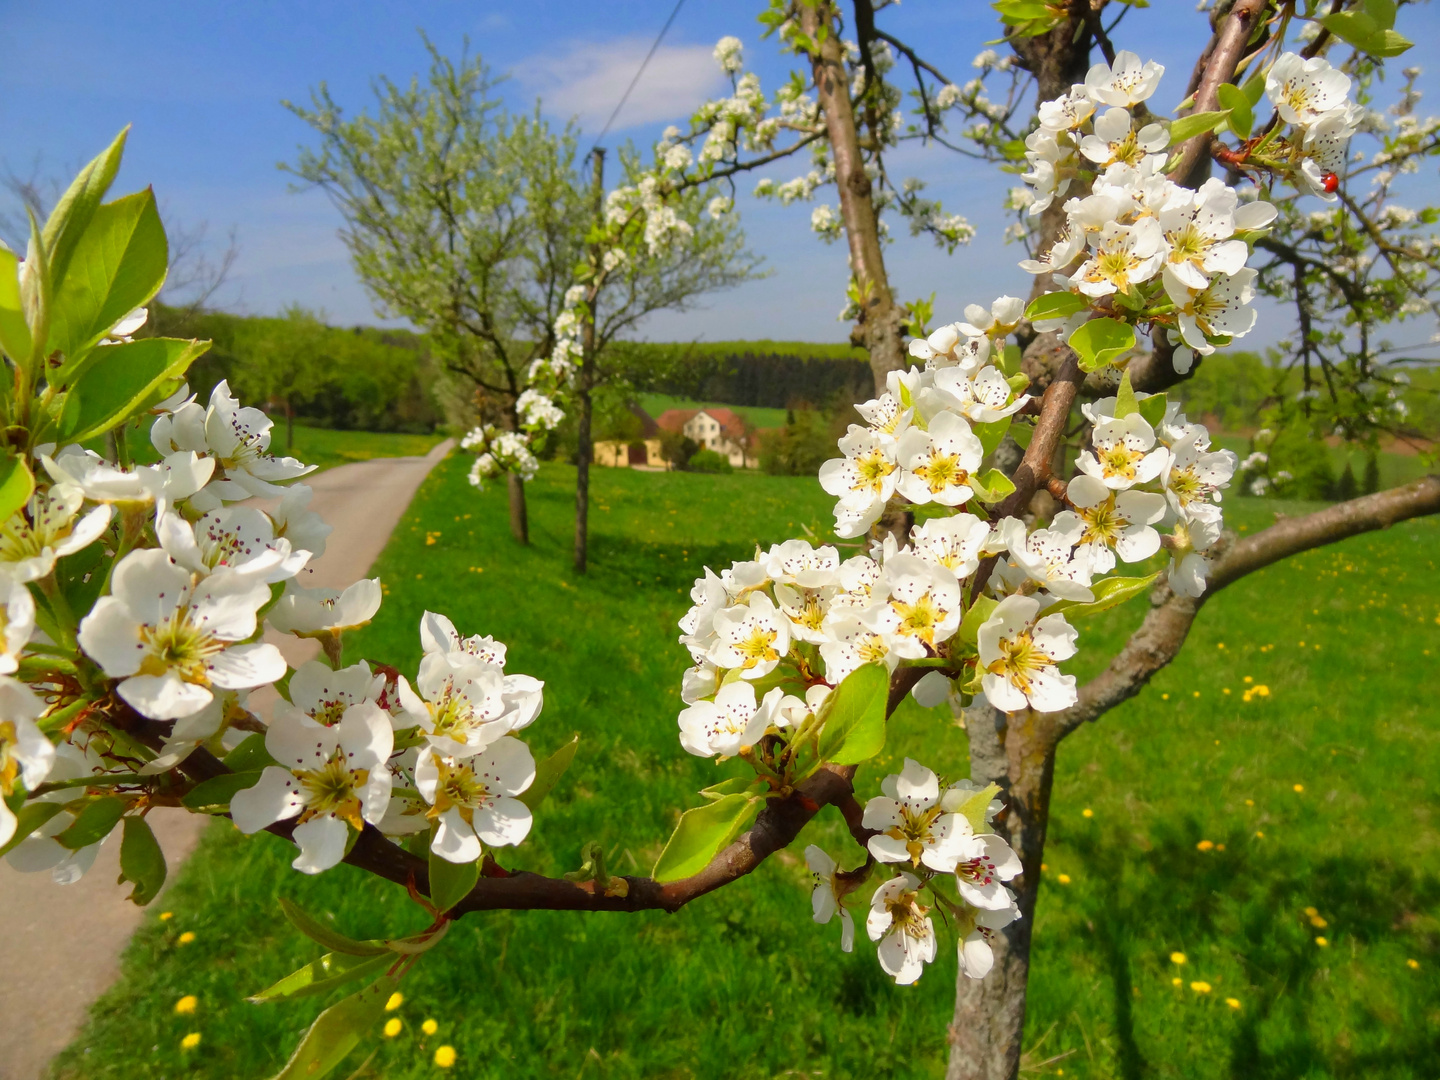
(174, 639)
(945, 840)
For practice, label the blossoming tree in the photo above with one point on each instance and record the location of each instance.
(136, 595)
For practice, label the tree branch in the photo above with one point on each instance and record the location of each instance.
(1230, 42)
(1159, 639)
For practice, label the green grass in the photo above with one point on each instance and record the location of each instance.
(1395, 469)
(325, 447)
(759, 415)
(741, 983)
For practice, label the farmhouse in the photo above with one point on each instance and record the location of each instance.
(714, 429)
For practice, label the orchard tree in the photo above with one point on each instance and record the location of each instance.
(135, 597)
(474, 224)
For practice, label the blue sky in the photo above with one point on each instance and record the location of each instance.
(202, 85)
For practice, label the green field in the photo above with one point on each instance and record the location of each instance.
(742, 984)
(325, 447)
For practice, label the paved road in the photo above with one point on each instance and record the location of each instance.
(62, 945)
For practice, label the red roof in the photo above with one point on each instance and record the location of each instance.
(675, 419)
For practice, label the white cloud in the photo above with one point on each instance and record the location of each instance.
(586, 80)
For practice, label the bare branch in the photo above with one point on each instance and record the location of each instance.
(1161, 635)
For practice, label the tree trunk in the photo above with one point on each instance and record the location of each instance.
(585, 453)
(582, 475)
(519, 521)
(879, 326)
(1018, 753)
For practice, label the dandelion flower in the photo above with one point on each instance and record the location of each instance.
(1205, 845)
(1234, 1003)
(189, 1042)
(1177, 958)
(1087, 812)
(186, 1005)
(1164, 697)
(1175, 981)
(1318, 921)
(429, 1027)
(1249, 678)
(1299, 788)
(1413, 964)
(166, 916)
(444, 1056)
(1311, 911)
(1323, 942)
(1200, 987)
(395, 1001)
(392, 1027)
(187, 937)
(1064, 879)
(1249, 802)
(1260, 835)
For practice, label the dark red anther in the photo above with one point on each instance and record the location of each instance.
(1330, 182)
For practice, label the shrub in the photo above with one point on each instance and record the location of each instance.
(709, 461)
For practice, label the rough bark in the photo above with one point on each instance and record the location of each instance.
(519, 520)
(879, 328)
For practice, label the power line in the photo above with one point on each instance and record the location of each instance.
(643, 64)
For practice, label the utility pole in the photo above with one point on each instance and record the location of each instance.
(586, 376)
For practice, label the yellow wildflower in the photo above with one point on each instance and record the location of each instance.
(166, 916)
(429, 1027)
(1299, 788)
(1413, 964)
(187, 937)
(1234, 1003)
(1177, 958)
(189, 1042)
(186, 1005)
(395, 1001)
(1087, 812)
(392, 1027)
(1064, 879)
(444, 1056)
(1200, 987)
(1205, 845)
(1323, 942)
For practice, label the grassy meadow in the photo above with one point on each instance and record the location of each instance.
(322, 447)
(1267, 808)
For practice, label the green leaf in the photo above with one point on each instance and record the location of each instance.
(1109, 592)
(337, 1031)
(16, 485)
(1056, 305)
(141, 860)
(323, 975)
(1100, 341)
(736, 785)
(1125, 402)
(121, 381)
(854, 729)
(1382, 11)
(1187, 127)
(993, 486)
(548, 774)
(1008, 361)
(702, 834)
(1152, 409)
(450, 882)
(1389, 43)
(27, 819)
(318, 932)
(1242, 116)
(94, 822)
(250, 755)
(118, 265)
(1022, 431)
(973, 808)
(990, 435)
(72, 214)
(1254, 88)
(979, 614)
(214, 795)
(14, 330)
(1354, 27)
